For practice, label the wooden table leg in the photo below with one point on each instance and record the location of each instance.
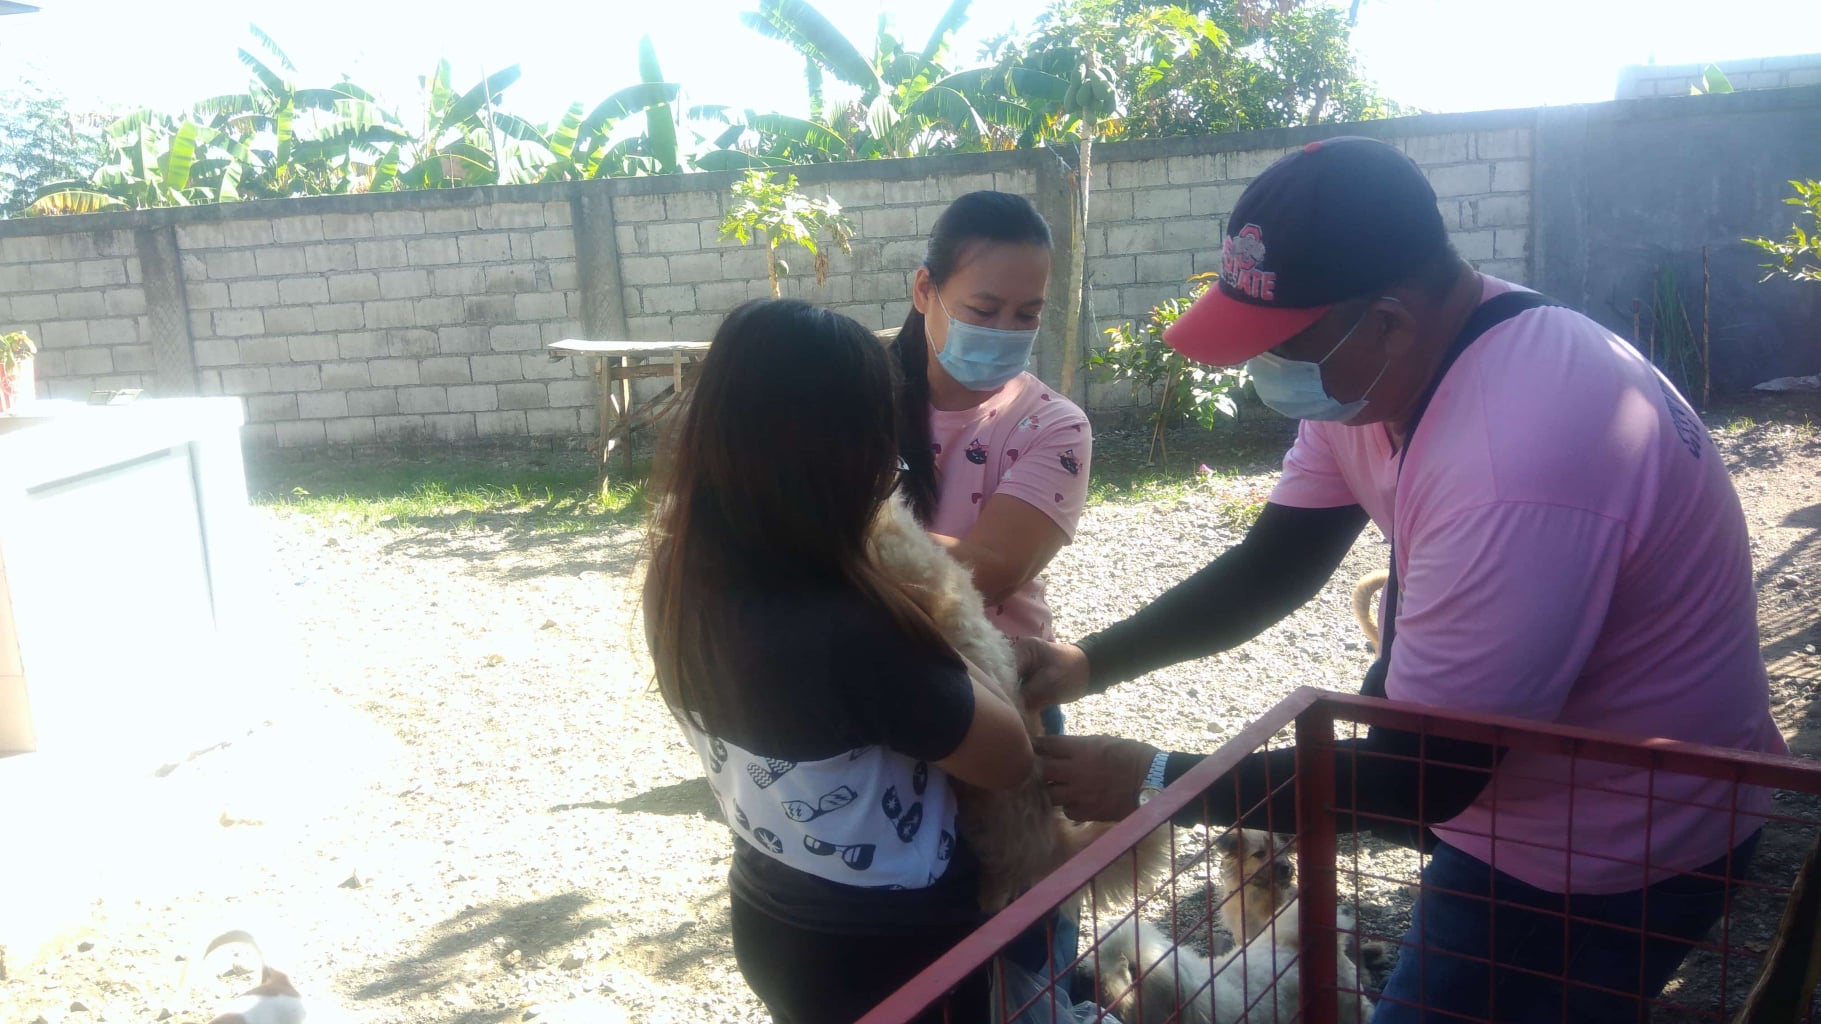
(611, 413)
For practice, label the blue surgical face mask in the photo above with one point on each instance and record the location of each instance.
(1294, 388)
(983, 358)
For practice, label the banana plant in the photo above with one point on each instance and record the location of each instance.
(456, 144)
(279, 140)
(908, 102)
(155, 156)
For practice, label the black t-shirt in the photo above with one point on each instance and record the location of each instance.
(820, 762)
(824, 671)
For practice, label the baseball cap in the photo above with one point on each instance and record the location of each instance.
(1329, 222)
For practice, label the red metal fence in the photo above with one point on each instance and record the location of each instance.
(1354, 892)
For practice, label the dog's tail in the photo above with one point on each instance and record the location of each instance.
(232, 937)
(1363, 593)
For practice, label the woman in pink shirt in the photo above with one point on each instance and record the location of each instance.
(998, 461)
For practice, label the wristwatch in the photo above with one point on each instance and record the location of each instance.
(1153, 780)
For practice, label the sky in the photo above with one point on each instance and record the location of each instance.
(1439, 55)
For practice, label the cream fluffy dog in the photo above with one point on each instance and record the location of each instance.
(1259, 974)
(1018, 834)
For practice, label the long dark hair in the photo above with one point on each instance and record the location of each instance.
(785, 452)
(984, 216)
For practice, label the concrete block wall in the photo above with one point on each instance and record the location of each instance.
(1639, 80)
(82, 299)
(424, 315)
(679, 278)
(393, 325)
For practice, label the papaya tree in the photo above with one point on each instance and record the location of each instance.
(776, 213)
(1085, 46)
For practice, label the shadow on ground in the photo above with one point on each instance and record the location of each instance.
(496, 546)
(704, 935)
(679, 799)
(448, 951)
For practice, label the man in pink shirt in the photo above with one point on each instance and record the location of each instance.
(1566, 547)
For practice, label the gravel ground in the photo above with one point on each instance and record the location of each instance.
(464, 803)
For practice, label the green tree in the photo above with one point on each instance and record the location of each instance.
(776, 213)
(1184, 392)
(1797, 256)
(1083, 46)
(42, 141)
(1292, 67)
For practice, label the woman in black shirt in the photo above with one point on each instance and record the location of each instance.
(828, 713)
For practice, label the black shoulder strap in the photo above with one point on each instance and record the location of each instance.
(1490, 314)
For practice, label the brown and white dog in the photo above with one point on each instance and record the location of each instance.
(1019, 834)
(1143, 975)
(273, 1001)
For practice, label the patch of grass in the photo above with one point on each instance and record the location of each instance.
(541, 493)
(1139, 489)
(1239, 513)
(1737, 425)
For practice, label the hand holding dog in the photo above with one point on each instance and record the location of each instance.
(1094, 778)
(1051, 673)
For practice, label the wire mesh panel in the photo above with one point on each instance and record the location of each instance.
(1321, 911)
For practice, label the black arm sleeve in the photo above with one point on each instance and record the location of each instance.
(1380, 786)
(1283, 561)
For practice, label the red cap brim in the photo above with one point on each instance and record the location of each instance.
(1220, 330)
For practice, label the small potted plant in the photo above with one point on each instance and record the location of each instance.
(16, 351)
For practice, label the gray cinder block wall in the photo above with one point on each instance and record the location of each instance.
(423, 315)
(1752, 73)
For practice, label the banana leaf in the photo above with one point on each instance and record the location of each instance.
(71, 197)
(660, 125)
(810, 33)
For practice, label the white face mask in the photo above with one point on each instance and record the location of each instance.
(1294, 388)
(983, 358)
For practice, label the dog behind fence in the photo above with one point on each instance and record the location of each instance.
(1307, 919)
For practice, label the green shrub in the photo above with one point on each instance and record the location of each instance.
(1184, 391)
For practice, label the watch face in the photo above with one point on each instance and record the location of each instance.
(1145, 795)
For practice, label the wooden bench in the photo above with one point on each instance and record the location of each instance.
(618, 363)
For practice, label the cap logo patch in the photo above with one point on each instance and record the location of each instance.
(1240, 257)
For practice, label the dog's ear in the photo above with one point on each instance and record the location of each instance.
(1264, 845)
(1228, 842)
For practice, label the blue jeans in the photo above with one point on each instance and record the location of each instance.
(1529, 934)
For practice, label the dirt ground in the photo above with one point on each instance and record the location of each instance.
(464, 803)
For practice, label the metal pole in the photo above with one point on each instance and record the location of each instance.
(1316, 849)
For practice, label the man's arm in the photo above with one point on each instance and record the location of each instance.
(1284, 560)
(1379, 783)
(1504, 603)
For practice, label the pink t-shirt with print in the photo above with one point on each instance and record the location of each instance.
(1027, 442)
(1571, 550)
